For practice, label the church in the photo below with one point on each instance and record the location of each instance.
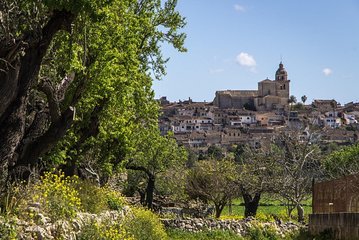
(271, 95)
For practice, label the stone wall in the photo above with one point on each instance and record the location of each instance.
(342, 225)
(241, 227)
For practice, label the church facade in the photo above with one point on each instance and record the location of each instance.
(271, 95)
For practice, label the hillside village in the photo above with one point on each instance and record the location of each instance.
(253, 116)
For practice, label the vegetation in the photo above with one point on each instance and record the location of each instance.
(77, 80)
(342, 162)
(175, 234)
(257, 170)
(77, 108)
(153, 155)
(300, 164)
(213, 182)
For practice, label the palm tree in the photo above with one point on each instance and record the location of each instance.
(292, 99)
(304, 99)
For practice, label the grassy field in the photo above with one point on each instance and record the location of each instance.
(266, 208)
(265, 213)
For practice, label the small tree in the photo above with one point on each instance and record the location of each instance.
(292, 99)
(154, 154)
(215, 152)
(257, 170)
(304, 99)
(299, 164)
(342, 162)
(213, 181)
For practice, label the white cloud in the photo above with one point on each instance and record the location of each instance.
(246, 60)
(327, 71)
(239, 8)
(216, 70)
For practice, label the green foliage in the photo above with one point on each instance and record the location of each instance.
(103, 231)
(144, 225)
(304, 99)
(154, 152)
(97, 199)
(298, 106)
(153, 155)
(12, 199)
(213, 181)
(258, 168)
(112, 58)
(342, 162)
(8, 229)
(215, 152)
(114, 199)
(268, 210)
(175, 234)
(258, 232)
(57, 196)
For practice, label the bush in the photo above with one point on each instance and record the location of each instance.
(176, 234)
(57, 196)
(141, 225)
(264, 217)
(8, 229)
(258, 232)
(96, 199)
(144, 225)
(103, 231)
(13, 197)
(114, 200)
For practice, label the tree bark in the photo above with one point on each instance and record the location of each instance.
(300, 211)
(250, 203)
(150, 183)
(149, 191)
(19, 76)
(219, 209)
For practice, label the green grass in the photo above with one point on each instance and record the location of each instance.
(266, 208)
(175, 234)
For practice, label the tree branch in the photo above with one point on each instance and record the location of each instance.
(52, 100)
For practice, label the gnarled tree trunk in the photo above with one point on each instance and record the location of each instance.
(250, 203)
(20, 64)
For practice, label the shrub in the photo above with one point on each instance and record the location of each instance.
(12, 199)
(103, 231)
(96, 199)
(57, 196)
(264, 217)
(144, 225)
(8, 229)
(114, 200)
(258, 232)
(176, 234)
(91, 197)
(141, 225)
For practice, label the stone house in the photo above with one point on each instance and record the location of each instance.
(270, 95)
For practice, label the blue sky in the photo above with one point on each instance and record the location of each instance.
(235, 44)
